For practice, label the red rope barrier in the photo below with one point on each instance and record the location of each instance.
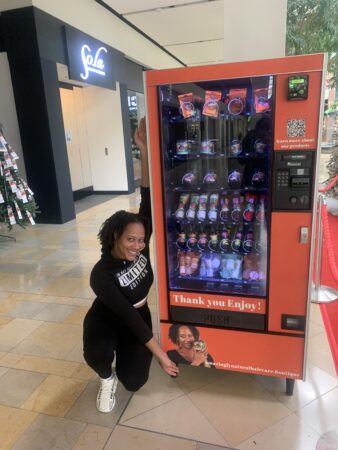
(329, 186)
(328, 240)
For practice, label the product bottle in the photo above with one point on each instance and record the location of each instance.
(208, 265)
(249, 210)
(188, 257)
(213, 240)
(181, 262)
(236, 242)
(181, 241)
(203, 269)
(194, 262)
(194, 127)
(260, 232)
(260, 209)
(224, 242)
(260, 238)
(225, 209)
(192, 238)
(212, 213)
(191, 213)
(248, 241)
(180, 211)
(236, 208)
(202, 242)
(202, 207)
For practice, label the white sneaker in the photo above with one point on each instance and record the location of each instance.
(105, 401)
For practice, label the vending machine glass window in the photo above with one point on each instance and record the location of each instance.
(216, 139)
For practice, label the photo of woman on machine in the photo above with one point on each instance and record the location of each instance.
(189, 348)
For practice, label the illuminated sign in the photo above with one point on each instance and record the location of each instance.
(132, 102)
(92, 64)
(90, 60)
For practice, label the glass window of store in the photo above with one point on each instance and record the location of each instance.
(136, 107)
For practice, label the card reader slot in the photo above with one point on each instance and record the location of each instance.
(300, 182)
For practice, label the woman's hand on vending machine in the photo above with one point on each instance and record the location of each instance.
(169, 366)
(166, 363)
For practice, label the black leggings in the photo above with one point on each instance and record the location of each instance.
(104, 337)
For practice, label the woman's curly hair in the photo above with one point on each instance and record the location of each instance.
(112, 228)
(174, 330)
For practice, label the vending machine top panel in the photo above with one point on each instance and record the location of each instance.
(288, 65)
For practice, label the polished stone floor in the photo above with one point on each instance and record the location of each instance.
(47, 393)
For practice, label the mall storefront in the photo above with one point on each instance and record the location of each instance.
(75, 97)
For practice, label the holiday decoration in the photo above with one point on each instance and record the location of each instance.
(17, 204)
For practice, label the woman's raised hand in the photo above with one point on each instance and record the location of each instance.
(140, 137)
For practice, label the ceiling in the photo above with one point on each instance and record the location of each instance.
(191, 30)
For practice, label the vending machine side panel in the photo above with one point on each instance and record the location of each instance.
(289, 271)
(157, 201)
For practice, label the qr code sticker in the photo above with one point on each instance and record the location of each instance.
(296, 128)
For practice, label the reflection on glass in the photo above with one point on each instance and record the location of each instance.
(216, 147)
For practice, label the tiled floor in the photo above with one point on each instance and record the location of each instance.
(47, 393)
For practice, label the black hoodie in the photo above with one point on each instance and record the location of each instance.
(119, 284)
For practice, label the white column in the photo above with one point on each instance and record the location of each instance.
(254, 29)
(14, 4)
(8, 116)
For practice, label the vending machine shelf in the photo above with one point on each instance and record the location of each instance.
(236, 287)
(248, 156)
(218, 157)
(223, 116)
(222, 190)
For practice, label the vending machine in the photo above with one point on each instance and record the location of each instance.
(234, 150)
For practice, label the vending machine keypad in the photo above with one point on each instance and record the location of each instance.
(282, 178)
(293, 180)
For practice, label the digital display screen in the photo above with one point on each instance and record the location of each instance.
(297, 81)
(298, 87)
(293, 157)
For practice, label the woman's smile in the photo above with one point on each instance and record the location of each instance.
(131, 243)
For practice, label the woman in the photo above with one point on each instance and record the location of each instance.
(190, 350)
(118, 324)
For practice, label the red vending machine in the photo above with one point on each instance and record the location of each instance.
(234, 151)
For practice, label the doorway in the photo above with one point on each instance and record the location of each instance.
(136, 107)
(73, 110)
